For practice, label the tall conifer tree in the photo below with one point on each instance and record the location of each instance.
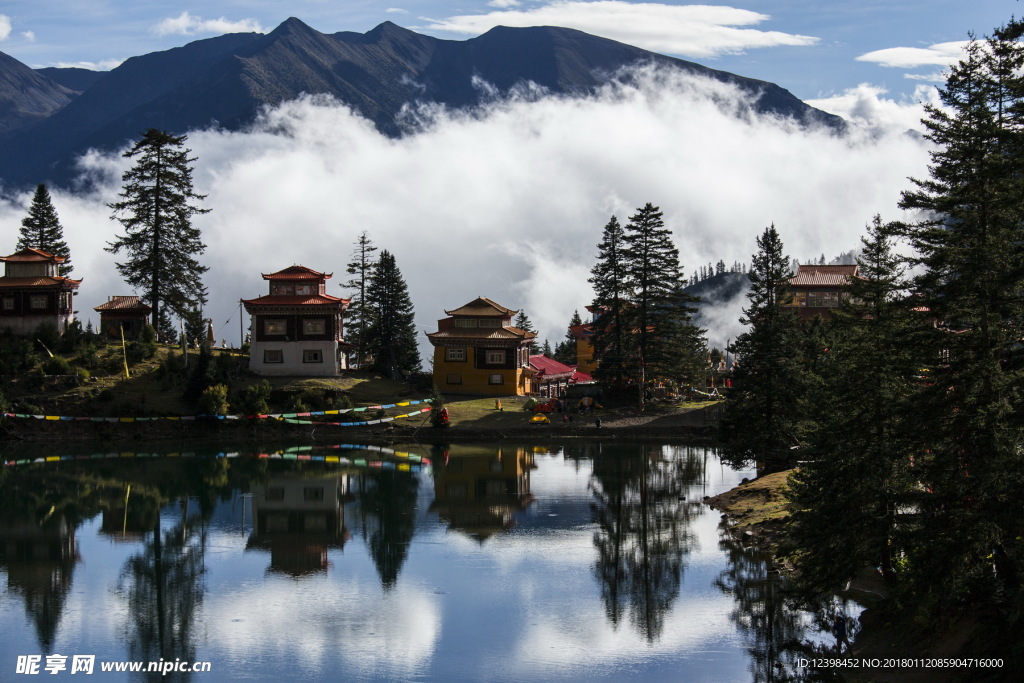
(41, 229)
(357, 320)
(613, 343)
(391, 333)
(156, 209)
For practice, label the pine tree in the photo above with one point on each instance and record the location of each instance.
(41, 229)
(565, 351)
(156, 211)
(522, 322)
(361, 268)
(661, 311)
(971, 255)
(761, 417)
(856, 474)
(391, 333)
(613, 343)
(546, 349)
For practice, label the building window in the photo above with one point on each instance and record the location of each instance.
(304, 290)
(312, 356)
(313, 493)
(465, 322)
(823, 299)
(281, 289)
(277, 327)
(314, 326)
(496, 378)
(274, 493)
(37, 302)
(490, 322)
(454, 378)
(456, 353)
(495, 357)
(8, 303)
(273, 356)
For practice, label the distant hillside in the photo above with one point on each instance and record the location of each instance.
(225, 81)
(73, 78)
(721, 296)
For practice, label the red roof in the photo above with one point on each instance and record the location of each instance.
(823, 276)
(580, 378)
(31, 254)
(40, 281)
(296, 300)
(581, 331)
(549, 367)
(123, 303)
(476, 334)
(297, 273)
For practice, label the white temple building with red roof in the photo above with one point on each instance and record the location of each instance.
(297, 329)
(32, 293)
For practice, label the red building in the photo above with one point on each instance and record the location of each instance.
(32, 293)
(297, 329)
(552, 378)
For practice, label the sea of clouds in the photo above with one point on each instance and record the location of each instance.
(509, 201)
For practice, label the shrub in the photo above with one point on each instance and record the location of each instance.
(255, 400)
(57, 365)
(214, 400)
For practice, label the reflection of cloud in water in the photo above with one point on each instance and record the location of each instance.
(383, 634)
(509, 203)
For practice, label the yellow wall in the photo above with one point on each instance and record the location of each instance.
(476, 380)
(585, 356)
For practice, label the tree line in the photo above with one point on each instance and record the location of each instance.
(904, 413)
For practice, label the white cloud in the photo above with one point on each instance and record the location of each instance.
(939, 54)
(690, 30)
(105, 65)
(185, 24)
(504, 3)
(5, 26)
(30, 36)
(396, 10)
(866, 106)
(509, 203)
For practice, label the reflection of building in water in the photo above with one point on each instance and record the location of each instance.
(39, 561)
(298, 519)
(480, 494)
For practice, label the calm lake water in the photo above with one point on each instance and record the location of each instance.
(509, 562)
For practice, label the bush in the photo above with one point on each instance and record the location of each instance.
(57, 365)
(255, 400)
(214, 400)
(144, 347)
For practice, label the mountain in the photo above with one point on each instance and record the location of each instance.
(27, 97)
(225, 81)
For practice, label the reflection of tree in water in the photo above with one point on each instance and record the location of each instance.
(164, 587)
(388, 512)
(644, 530)
(767, 615)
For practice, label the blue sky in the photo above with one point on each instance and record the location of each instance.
(815, 48)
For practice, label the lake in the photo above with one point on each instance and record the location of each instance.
(483, 562)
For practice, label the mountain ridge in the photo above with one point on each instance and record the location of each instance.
(226, 80)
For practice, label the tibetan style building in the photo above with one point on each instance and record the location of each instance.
(32, 293)
(123, 315)
(477, 351)
(816, 290)
(297, 328)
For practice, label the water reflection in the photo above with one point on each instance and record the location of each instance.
(391, 563)
(643, 518)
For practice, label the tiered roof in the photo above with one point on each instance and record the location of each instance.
(823, 276)
(124, 303)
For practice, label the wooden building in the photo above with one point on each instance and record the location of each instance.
(32, 293)
(477, 351)
(817, 290)
(297, 328)
(123, 313)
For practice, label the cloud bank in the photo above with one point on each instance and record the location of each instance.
(867, 106)
(187, 25)
(690, 30)
(5, 27)
(508, 202)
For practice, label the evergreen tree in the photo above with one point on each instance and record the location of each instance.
(565, 351)
(760, 419)
(391, 333)
(546, 349)
(970, 253)
(361, 268)
(156, 211)
(522, 322)
(856, 474)
(661, 310)
(613, 343)
(41, 229)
